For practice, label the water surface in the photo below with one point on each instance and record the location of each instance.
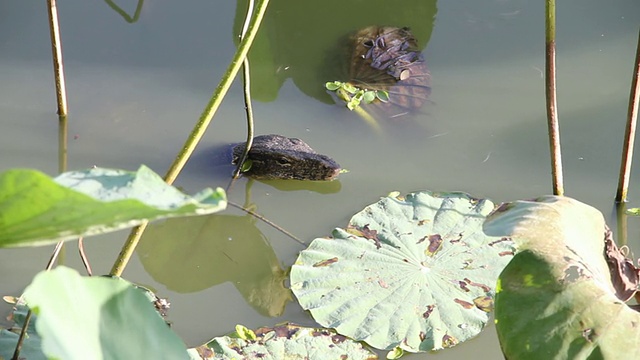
(136, 89)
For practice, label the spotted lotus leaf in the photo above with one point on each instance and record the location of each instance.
(284, 341)
(415, 272)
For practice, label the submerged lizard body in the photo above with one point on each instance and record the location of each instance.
(278, 157)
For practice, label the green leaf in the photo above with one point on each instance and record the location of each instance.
(414, 272)
(349, 88)
(369, 96)
(555, 298)
(304, 63)
(246, 165)
(31, 347)
(382, 95)
(634, 211)
(333, 85)
(343, 95)
(353, 103)
(248, 261)
(395, 353)
(285, 341)
(98, 317)
(244, 333)
(37, 210)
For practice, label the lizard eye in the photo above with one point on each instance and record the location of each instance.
(283, 161)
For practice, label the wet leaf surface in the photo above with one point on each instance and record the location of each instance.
(555, 299)
(417, 284)
(32, 345)
(284, 342)
(37, 210)
(98, 317)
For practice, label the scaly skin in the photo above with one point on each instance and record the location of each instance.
(387, 58)
(278, 157)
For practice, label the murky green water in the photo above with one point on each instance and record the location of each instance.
(136, 89)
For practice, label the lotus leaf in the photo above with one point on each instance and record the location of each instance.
(37, 210)
(412, 271)
(555, 299)
(284, 342)
(98, 318)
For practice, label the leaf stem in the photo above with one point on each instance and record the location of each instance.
(246, 78)
(124, 14)
(267, 221)
(630, 130)
(27, 319)
(550, 89)
(622, 222)
(198, 131)
(61, 99)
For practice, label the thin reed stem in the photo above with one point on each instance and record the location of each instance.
(125, 16)
(23, 333)
(550, 89)
(61, 100)
(267, 221)
(246, 79)
(621, 221)
(630, 130)
(27, 318)
(84, 258)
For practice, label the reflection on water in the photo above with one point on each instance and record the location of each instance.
(310, 44)
(388, 58)
(322, 187)
(195, 253)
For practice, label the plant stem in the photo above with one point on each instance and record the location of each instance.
(62, 143)
(54, 256)
(198, 131)
(23, 332)
(550, 87)
(621, 220)
(61, 99)
(267, 221)
(218, 95)
(124, 14)
(246, 77)
(56, 48)
(630, 130)
(61, 94)
(84, 258)
(61, 91)
(127, 250)
(27, 318)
